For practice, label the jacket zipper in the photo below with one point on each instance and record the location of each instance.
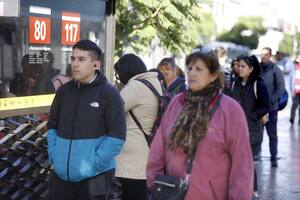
(71, 141)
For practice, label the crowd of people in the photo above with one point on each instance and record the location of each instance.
(98, 132)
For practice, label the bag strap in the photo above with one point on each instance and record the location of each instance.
(152, 88)
(255, 88)
(139, 125)
(210, 114)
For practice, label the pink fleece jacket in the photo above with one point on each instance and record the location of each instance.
(223, 165)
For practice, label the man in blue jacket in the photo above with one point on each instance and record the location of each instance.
(86, 130)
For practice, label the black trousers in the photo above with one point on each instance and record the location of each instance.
(133, 189)
(96, 188)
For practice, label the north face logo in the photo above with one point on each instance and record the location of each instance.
(95, 104)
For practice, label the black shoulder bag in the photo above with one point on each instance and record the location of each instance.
(172, 187)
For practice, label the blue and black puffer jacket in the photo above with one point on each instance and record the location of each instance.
(86, 129)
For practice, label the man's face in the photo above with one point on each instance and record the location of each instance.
(83, 67)
(168, 72)
(265, 56)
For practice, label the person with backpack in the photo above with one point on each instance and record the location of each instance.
(86, 130)
(252, 94)
(141, 108)
(274, 80)
(200, 143)
(174, 83)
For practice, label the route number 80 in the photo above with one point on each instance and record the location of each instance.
(40, 30)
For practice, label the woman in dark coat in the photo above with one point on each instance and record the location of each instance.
(252, 94)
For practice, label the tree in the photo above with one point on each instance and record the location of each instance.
(286, 44)
(177, 24)
(245, 32)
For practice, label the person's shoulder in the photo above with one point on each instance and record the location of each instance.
(108, 88)
(260, 80)
(179, 98)
(65, 87)
(228, 104)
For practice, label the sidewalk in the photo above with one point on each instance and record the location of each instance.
(283, 182)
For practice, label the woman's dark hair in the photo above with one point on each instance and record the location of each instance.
(252, 61)
(128, 66)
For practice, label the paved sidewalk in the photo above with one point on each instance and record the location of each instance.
(283, 182)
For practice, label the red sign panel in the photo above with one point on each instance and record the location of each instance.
(70, 28)
(39, 30)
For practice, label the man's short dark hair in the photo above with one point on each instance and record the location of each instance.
(268, 49)
(88, 45)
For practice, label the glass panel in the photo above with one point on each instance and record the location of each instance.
(36, 43)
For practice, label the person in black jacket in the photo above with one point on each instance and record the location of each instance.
(252, 94)
(86, 130)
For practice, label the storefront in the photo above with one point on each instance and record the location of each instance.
(36, 38)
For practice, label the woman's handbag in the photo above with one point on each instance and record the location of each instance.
(170, 187)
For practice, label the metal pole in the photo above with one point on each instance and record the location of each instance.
(110, 47)
(110, 39)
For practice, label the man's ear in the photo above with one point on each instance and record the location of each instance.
(97, 64)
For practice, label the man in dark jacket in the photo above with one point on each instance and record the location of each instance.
(86, 130)
(274, 80)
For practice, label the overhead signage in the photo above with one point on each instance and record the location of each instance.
(70, 28)
(39, 27)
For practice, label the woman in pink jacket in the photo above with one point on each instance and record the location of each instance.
(223, 166)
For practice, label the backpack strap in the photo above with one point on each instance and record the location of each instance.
(232, 86)
(150, 86)
(140, 126)
(255, 88)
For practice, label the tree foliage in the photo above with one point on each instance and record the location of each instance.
(286, 44)
(245, 32)
(179, 25)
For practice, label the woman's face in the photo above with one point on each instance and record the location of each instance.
(245, 70)
(168, 72)
(235, 67)
(198, 75)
